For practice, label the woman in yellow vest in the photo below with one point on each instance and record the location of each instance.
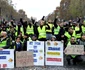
(75, 58)
(42, 31)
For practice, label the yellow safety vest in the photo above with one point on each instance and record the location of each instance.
(83, 29)
(78, 35)
(50, 30)
(3, 43)
(30, 30)
(42, 32)
(56, 30)
(69, 36)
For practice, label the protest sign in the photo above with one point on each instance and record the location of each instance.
(74, 50)
(24, 59)
(38, 52)
(7, 58)
(54, 53)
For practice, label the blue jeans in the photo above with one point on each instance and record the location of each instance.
(48, 36)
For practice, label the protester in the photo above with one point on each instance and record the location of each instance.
(30, 29)
(34, 38)
(17, 45)
(82, 40)
(42, 31)
(26, 38)
(4, 41)
(56, 29)
(75, 58)
(53, 38)
(49, 31)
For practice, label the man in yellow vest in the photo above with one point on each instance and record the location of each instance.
(75, 58)
(68, 34)
(49, 31)
(42, 31)
(4, 41)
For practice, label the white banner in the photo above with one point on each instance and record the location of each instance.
(54, 53)
(7, 58)
(38, 52)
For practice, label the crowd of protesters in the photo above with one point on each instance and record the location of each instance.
(14, 35)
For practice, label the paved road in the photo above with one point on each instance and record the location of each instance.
(50, 68)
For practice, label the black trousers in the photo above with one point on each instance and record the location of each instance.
(74, 60)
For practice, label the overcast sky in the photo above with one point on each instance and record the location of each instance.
(37, 8)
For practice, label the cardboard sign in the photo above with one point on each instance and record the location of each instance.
(24, 59)
(7, 58)
(54, 53)
(74, 50)
(38, 52)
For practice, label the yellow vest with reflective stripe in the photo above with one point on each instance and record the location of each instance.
(50, 30)
(30, 30)
(69, 36)
(56, 30)
(83, 29)
(42, 32)
(78, 35)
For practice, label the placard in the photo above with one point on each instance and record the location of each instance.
(74, 50)
(7, 58)
(54, 53)
(24, 59)
(38, 52)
